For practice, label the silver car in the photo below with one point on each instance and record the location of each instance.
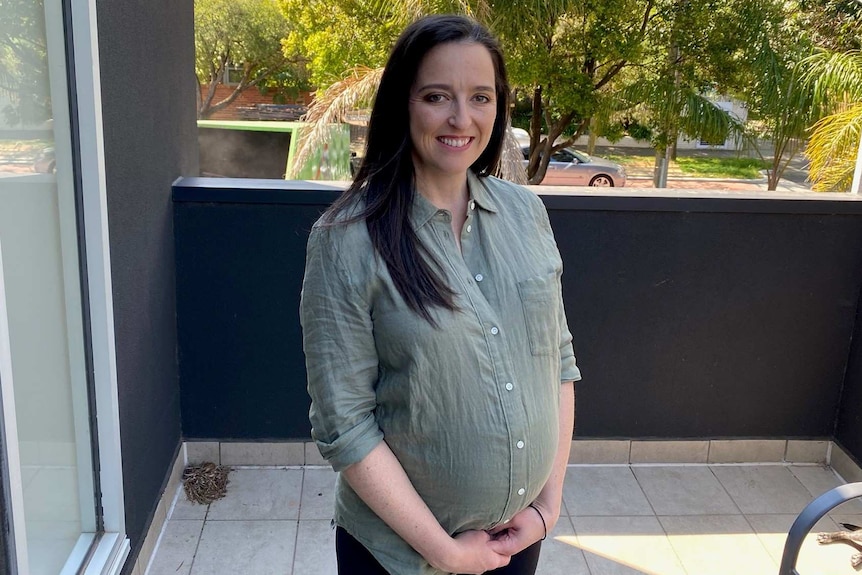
(570, 167)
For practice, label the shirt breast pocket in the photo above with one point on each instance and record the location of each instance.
(539, 297)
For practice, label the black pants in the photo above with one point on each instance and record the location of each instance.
(355, 559)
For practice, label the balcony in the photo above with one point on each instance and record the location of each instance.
(716, 332)
(618, 519)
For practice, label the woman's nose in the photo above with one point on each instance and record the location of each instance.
(460, 115)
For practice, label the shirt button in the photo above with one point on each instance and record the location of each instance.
(479, 277)
(472, 204)
(509, 386)
(520, 445)
(521, 491)
(494, 330)
(469, 229)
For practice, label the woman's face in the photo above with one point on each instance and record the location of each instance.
(452, 109)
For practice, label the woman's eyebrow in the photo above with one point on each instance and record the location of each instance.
(448, 87)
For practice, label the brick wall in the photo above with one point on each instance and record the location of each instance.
(249, 97)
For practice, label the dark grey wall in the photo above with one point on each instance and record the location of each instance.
(148, 104)
(848, 430)
(692, 317)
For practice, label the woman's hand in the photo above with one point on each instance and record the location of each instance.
(470, 553)
(524, 529)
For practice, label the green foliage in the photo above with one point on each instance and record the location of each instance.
(24, 62)
(710, 167)
(335, 37)
(835, 25)
(836, 80)
(246, 34)
(833, 149)
(639, 132)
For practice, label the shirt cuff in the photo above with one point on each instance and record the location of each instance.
(352, 446)
(569, 369)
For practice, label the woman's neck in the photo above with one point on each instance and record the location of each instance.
(447, 194)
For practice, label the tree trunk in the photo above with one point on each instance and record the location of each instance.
(659, 179)
(591, 143)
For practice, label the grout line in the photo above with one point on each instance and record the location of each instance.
(298, 518)
(732, 500)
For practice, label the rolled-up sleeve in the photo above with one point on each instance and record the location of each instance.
(340, 354)
(569, 370)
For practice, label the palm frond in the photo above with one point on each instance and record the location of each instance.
(835, 76)
(832, 149)
(352, 93)
(512, 160)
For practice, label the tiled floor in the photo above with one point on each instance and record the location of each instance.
(620, 520)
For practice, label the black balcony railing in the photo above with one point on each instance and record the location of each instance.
(693, 315)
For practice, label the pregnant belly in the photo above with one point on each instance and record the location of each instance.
(473, 484)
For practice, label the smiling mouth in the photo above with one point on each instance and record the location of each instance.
(455, 142)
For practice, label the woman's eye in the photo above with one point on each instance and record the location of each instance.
(482, 98)
(434, 98)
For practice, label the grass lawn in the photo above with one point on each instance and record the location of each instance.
(741, 168)
(689, 166)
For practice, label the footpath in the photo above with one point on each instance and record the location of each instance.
(641, 176)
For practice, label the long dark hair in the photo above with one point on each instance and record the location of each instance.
(384, 181)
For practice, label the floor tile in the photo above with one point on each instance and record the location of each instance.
(560, 552)
(259, 494)
(599, 451)
(176, 549)
(669, 451)
(746, 450)
(247, 547)
(814, 558)
(198, 452)
(676, 490)
(807, 451)
(281, 453)
(603, 491)
(849, 518)
(845, 465)
(758, 489)
(818, 480)
(626, 546)
(318, 494)
(186, 509)
(717, 545)
(315, 549)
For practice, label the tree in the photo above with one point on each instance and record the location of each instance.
(836, 79)
(835, 25)
(24, 62)
(668, 90)
(781, 104)
(359, 70)
(565, 55)
(242, 37)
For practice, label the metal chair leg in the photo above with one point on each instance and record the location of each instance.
(812, 513)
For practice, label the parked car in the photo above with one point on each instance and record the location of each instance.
(570, 167)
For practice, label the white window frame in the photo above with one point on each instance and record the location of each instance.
(112, 548)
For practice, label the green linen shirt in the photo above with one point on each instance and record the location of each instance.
(470, 408)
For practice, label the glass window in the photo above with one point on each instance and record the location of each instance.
(39, 242)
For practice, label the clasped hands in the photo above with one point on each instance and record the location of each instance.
(480, 551)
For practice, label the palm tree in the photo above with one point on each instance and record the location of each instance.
(673, 107)
(835, 145)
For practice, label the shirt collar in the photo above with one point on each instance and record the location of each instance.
(422, 210)
(479, 192)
